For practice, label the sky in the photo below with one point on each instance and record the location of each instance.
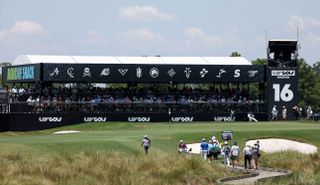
(156, 27)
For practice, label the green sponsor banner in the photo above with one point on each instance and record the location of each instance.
(20, 73)
(23, 73)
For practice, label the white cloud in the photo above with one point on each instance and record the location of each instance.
(93, 37)
(144, 13)
(196, 35)
(143, 35)
(22, 29)
(303, 22)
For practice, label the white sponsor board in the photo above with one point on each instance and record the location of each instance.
(224, 118)
(182, 119)
(95, 119)
(50, 119)
(139, 119)
(283, 73)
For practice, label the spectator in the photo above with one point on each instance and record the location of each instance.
(309, 113)
(210, 150)
(227, 152)
(274, 113)
(204, 149)
(255, 155)
(284, 113)
(251, 117)
(182, 147)
(216, 149)
(235, 151)
(247, 152)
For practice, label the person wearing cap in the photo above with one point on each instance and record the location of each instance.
(215, 139)
(235, 150)
(226, 152)
(146, 143)
(255, 155)
(247, 152)
(216, 149)
(182, 147)
(210, 150)
(204, 149)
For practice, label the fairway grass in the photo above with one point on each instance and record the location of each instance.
(121, 142)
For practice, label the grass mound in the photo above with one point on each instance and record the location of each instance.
(305, 168)
(107, 168)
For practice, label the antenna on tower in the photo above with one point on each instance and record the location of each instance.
(266, 42)
(298, 45)
(297, 33)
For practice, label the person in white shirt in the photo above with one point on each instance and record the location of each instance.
(309, 113)
(235, 151)
(274, 113)
(247, 152)
(251, 117)
(284, 113)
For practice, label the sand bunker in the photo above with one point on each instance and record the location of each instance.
(66, 132)
(195, 148)
(271, 145)
(277, 145)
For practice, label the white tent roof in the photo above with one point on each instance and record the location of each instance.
(35, 59)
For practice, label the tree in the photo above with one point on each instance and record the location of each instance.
(316, 67)
(260, 61)
(235, 54)
(308, 86)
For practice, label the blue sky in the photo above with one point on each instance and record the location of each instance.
(150, 27)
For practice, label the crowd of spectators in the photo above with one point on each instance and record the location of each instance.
(134, 99)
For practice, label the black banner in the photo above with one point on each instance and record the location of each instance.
(114, 73)
(282, 90)
(38, 121)
(22, 73)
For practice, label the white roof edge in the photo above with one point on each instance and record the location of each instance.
(283, 40)
(171, 60)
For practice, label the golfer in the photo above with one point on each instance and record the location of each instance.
(146, 143)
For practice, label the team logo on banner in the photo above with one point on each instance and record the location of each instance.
(187, 71)
(171, 73)
(70, 72)
(105, 72)
(86, 72)
(139, 72)
(154, 72)
(252, 73)
(221, 71)
(203, 72)
(55, 72)
(236, 73)
(123, 71)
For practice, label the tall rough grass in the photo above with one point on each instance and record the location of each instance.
(305, 168)
(87, 168)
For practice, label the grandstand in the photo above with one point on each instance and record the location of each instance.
(44, 90)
